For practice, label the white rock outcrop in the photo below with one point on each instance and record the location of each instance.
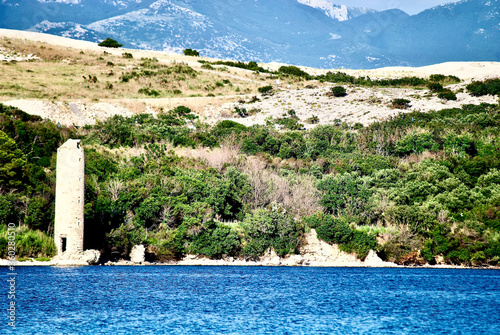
(319, 253)
(137, 254)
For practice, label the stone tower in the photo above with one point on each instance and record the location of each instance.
(70, 184)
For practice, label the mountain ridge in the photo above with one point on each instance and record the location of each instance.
(314, 33)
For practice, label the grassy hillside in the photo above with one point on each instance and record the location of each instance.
(73, 74)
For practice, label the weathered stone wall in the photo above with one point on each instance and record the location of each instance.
(70, 184)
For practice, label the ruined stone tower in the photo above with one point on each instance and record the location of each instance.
(70, 184)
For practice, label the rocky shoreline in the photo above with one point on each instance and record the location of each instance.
(314, 253)
(193, 260)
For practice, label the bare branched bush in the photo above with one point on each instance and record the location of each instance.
(305, 197)
(114, 188)
(217, 158)
(417, 158)
(296, 193)
(259, 178)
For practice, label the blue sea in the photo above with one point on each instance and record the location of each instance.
(252, 300)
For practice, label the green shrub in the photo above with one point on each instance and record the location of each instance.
(207, 66)
(293, 71)
(437, 77)
(123, 238)
(110, 43)
(127, 55)
(8, 211)
(38, 214)
(30, 243)
(345, 194)
(265, 90)
(290, 121)
(181, 111)
(12, 162)
(360, 244)
(313, 120)
(447, 95)
(252, 66)
(416, 218)
(339, 91)
(334, 230)
(216, 241)
(191, 52)
(271, 228)
(460, 145)
(400, 103)
(435, 87)
(149, 92)
(415, 143)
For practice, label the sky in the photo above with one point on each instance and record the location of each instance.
(409, 6)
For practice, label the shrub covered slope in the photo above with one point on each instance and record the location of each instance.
(416, 188)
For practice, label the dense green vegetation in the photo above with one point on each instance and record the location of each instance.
(191, 52)
(341, 77)
(110, 43)
(487, 87)
(434, 81)
(420, 187)
(252, 66)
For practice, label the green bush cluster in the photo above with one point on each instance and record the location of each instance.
(29, 243)
(442, 93)
(293, 71)
(252, 66)
(487, 87)
(341, 77)
(270, 228)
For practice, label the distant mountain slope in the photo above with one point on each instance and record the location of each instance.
(286, 31)
(23, 14)
(336, 12)
(315, 33)
(468, 30)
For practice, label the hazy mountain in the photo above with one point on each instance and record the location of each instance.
(23, 14)
(468, 30)
(336, 12)
(304, 32)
